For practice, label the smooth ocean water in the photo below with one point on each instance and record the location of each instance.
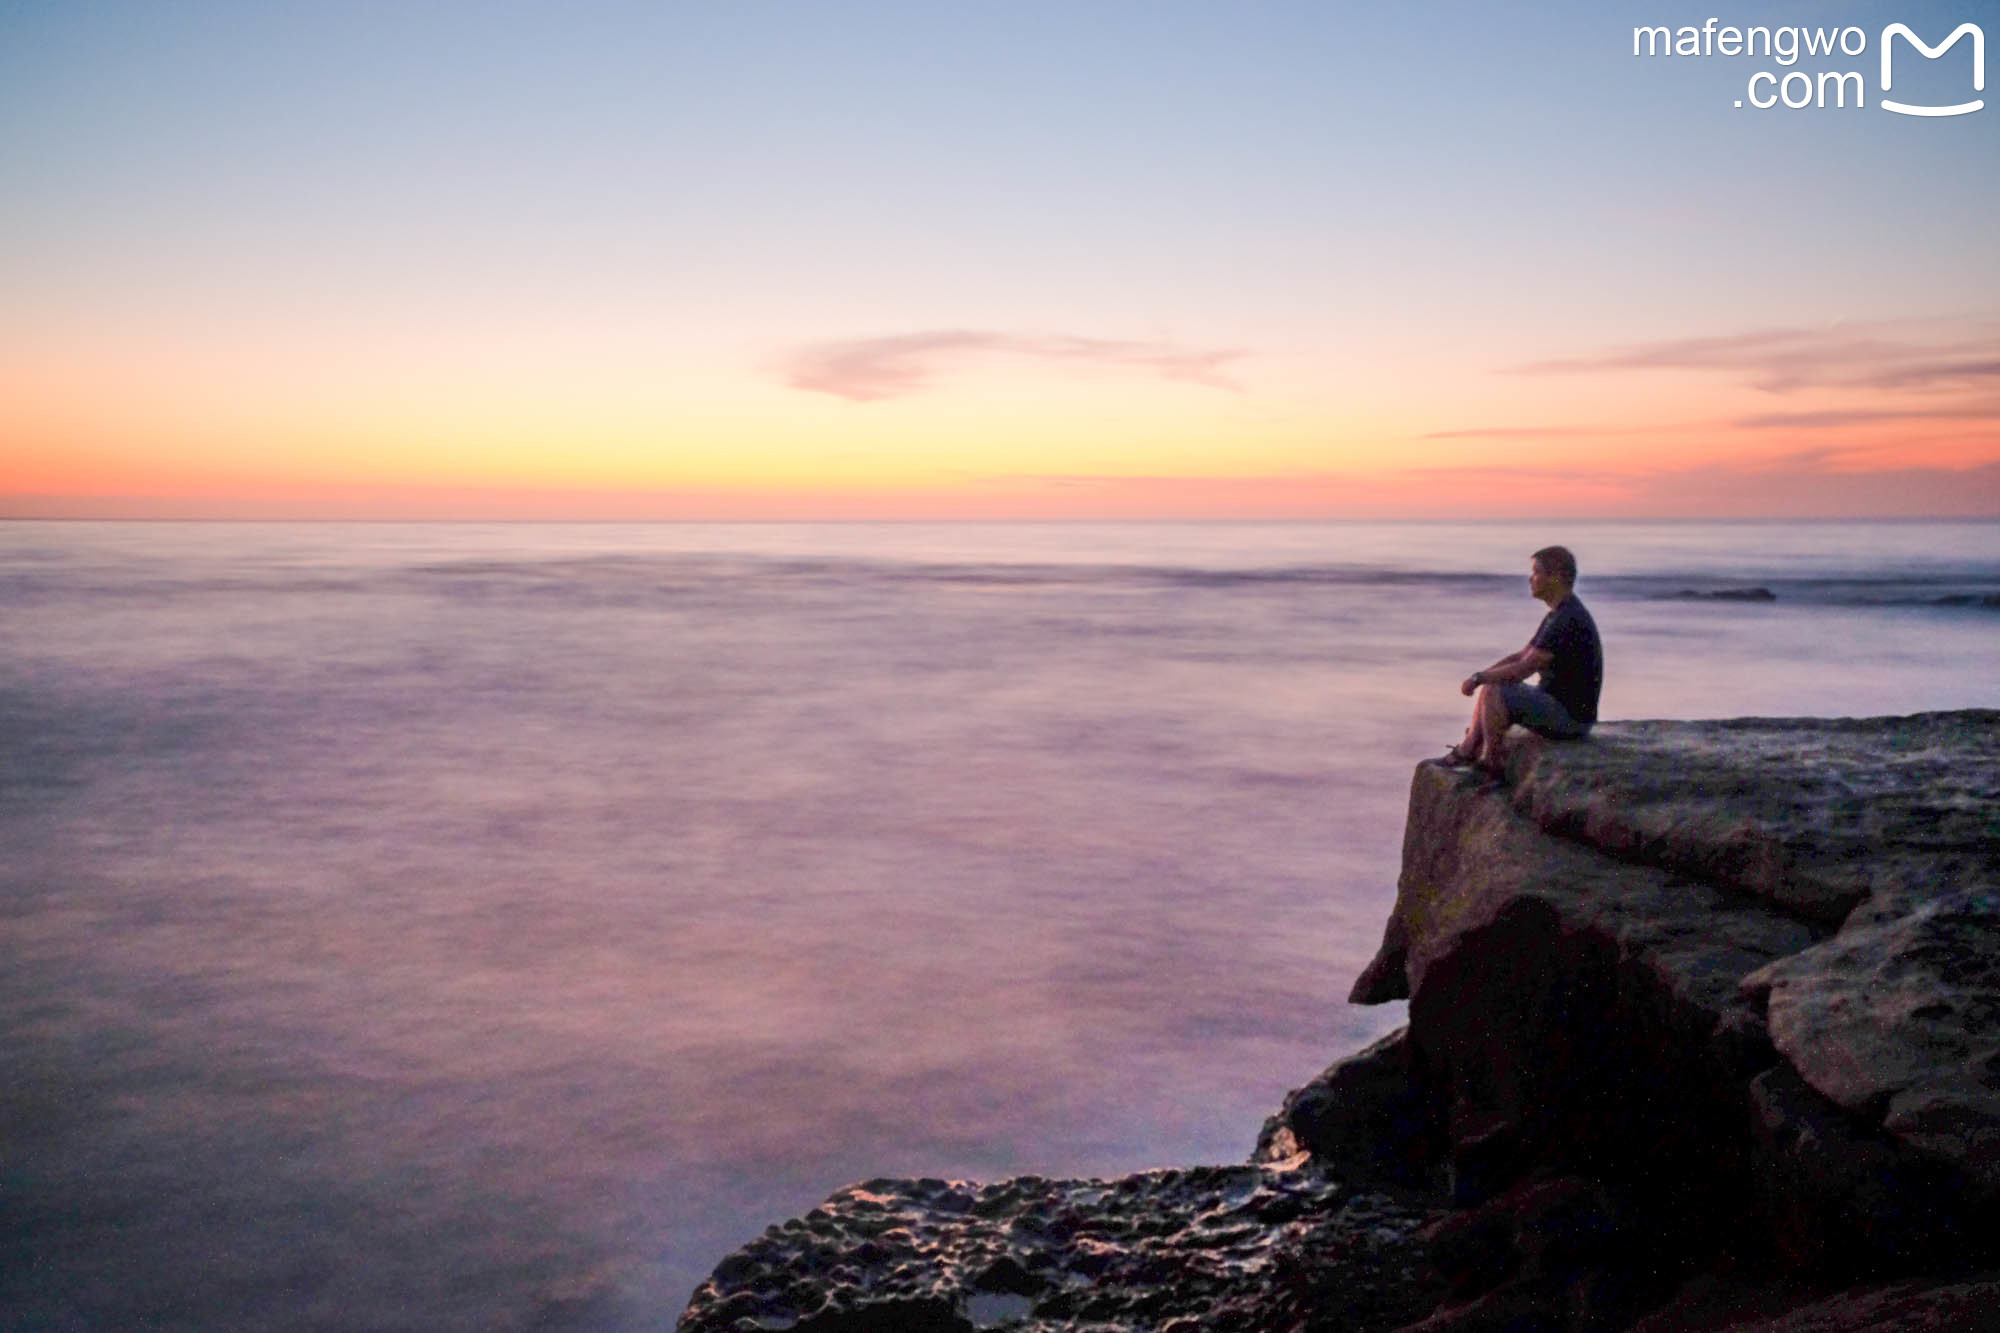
(466, 926)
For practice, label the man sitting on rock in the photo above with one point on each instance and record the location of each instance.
(1567, 653)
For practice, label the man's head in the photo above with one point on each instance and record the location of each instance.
(1552, 574)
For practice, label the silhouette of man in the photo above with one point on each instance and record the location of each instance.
(1565, 651)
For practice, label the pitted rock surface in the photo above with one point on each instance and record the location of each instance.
(1244, 1247)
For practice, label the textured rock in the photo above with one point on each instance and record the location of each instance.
(1898, 1022)
(1365, 1114)
(1560, 997)
(1468, 853)
(1903, 1307)
(1691, 956)
(1548, 1251)
(1963, 1305)
(1838, 1197)
(1814, 814)
(1250, 1248)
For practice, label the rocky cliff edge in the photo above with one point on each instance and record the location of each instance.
(1702, 1035)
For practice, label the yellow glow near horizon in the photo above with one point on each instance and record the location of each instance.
(245, 425)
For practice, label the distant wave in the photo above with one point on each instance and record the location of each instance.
(1979, 589)
(625, 577)
(683, 569)
(1944, 591)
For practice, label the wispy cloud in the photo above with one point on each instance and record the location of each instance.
(869, 369)
(1833, 419)
(1546, 432)
(1872, 374)
(1895, 357)
(1827, 419)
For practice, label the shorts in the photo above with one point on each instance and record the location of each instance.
(1541, 712)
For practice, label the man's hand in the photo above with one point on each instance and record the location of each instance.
(1513, 667)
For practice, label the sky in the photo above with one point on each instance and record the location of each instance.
(847, 259)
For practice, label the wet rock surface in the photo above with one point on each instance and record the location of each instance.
(1702, 1030)
(1243, 1247)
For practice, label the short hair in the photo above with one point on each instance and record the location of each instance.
(1558, 561)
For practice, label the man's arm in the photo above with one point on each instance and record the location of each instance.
(1509, 669)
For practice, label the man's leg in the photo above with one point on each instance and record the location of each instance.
(1489, 720)
(1539, 711)
(1497, 707)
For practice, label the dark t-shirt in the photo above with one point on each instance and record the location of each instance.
(1576, 675)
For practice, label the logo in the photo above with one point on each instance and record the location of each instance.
(1889, 35)
(1797, 89)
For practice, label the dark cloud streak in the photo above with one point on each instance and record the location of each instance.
(1834, 419)
(1891, 357)
(1937, 372)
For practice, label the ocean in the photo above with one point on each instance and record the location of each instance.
(489, 926)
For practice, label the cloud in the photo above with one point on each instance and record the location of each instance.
(1894, 357)
(1833, 419)
(870, 369)
(1926, 375)
(1828, 419)
(1546, 432)
(1908, 371)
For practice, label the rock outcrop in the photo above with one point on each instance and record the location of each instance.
(1220, 1247)
(1702, 1034)
(1676, 931)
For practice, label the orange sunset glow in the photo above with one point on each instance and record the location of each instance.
(258, 299)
